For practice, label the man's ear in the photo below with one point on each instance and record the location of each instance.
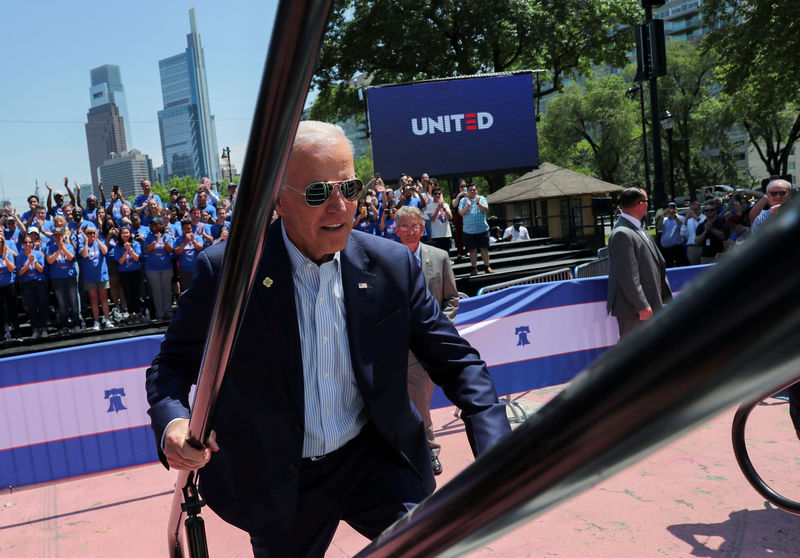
(279, 205)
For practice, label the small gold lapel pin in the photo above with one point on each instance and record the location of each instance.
(267, 282)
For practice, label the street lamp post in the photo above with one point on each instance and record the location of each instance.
(631, 94)
(667, 122)
(226, 156)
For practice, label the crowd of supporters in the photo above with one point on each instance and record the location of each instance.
(710, 229)
(96, 264)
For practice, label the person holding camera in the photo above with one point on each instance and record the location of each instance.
(673, 243)
(387, 226)
(114, 207)
(365, 220)
(439, 217)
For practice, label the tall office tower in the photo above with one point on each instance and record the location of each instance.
(107, 118)
(107, 88)
(188, 134)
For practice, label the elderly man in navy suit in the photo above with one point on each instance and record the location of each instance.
(314, 423)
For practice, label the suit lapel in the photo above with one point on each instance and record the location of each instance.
(360, 297)
(647, 239)
(274, 289)
(426, 263)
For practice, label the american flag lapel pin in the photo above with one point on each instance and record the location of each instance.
(267, 282)
(362, 285)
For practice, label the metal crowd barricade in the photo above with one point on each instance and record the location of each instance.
(594, 268)
(556, 275)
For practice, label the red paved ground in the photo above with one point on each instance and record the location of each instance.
(687, 499)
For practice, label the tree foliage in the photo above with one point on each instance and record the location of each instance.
(403, 40)
(757, 43)
(701, 119)
(592, 128)
(186, 185)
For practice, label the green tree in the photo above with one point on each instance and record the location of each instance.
(592, 127)
(701, 119)
(364, 167)
(757, 43)
(186, 185)
(403, 40)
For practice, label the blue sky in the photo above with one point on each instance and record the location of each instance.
(49, 47)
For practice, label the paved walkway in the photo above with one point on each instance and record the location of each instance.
(687, 499)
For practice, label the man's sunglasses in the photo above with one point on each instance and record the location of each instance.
(318, 193)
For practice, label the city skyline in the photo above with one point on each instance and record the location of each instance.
(43, 116)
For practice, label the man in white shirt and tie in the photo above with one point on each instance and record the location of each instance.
(637, 280)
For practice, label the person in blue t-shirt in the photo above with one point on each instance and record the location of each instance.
(199, 228)
(128, 253)
(116, 204)
(202, 201)
(366, 218)
(64, 279)
(140, 202)
(387, 225)
(222, 223)
(11, 227)
(211, 195)
(158, 246)
(90, 211)
(44, 226)
(28, 216)
(8, 299)
(33, 281)
(187, 248)
(151, 210)
(94, 272)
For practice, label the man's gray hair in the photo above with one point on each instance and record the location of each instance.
(411, 213)
(314, 132)
(779, 182)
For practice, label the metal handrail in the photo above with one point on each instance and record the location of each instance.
(594, 268)
(297, 36)
(633, 399)
(562, 274)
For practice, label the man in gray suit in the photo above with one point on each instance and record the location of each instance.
(441, 283)
(637, 279)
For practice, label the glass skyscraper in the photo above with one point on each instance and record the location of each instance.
(107, 129)
(107, 88)
(188, 135)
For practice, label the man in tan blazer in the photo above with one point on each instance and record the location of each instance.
(441, 283)
(637, 279)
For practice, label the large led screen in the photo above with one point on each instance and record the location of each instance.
(456, 127)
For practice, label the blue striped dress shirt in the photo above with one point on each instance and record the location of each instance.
(333, 405)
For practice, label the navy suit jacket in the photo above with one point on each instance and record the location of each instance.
(253, 478)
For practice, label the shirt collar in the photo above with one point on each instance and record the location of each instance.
(418, 253)
(296, 257)
(633, 220)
